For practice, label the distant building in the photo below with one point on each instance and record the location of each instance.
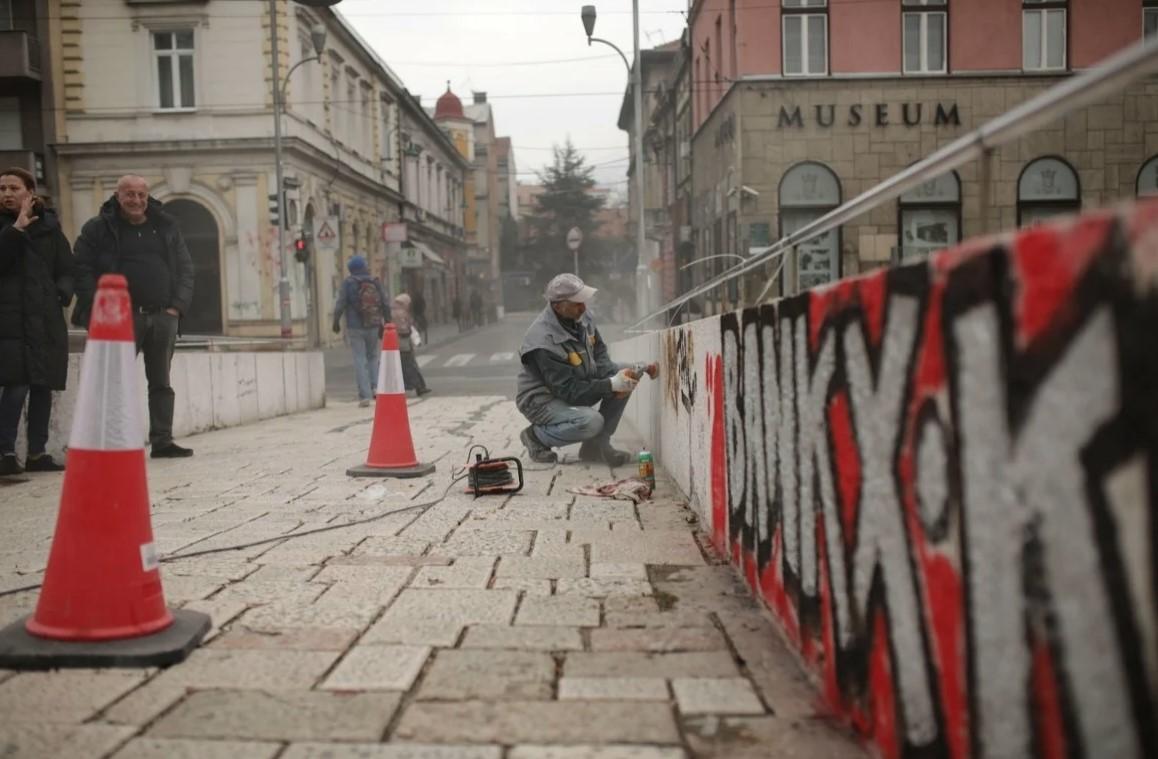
(798, 107)
(30, 72)
(180, 93)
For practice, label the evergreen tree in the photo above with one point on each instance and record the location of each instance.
(567, 201)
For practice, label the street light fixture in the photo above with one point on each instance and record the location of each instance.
(318, 38)
(635, 77)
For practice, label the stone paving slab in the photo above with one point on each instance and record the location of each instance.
(45, 739)
(487, 674)
(541, 625)
(389, 751)
(540, 722)
(185, 748)
(281, 716)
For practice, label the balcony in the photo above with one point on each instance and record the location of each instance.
(28, 160)
(19, 56)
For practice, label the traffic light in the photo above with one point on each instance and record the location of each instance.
(274, 218)
(301, 250)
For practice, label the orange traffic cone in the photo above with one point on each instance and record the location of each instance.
(391, 447)
(102, 603)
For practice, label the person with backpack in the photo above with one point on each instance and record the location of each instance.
(363, 300)
(408, 340)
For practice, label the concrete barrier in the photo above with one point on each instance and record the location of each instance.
(214, 390)
(942, 480)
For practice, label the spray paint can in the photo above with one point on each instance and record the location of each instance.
(647, 469)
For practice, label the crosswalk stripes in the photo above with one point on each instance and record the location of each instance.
(458, 360)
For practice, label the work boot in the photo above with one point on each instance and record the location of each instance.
(601, 452)
(171, 451)
(539, 453)
(9, 465)
(42, 463)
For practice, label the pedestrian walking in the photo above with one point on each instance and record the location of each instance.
(476, 307)
(456, 310)
(36, 285)
(407, 341)
(418, 310)
(363, 301)
(132, 235)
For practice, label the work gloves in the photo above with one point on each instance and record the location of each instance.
(623, 381)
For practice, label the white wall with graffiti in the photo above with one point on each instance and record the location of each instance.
(942, 481)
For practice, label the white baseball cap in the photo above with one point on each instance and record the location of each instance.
(569, 287)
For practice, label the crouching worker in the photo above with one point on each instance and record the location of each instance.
(566, 372)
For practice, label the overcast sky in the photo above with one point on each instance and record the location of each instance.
(530, 57)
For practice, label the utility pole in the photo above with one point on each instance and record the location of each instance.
(283, 293)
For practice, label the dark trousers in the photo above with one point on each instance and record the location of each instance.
(156, 336)
(39, 411)
(412, 377)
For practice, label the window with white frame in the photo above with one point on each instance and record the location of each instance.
(173, 63)
(930, 218)
(1150, 18)
(1147, 186)
(925, 26)
(804, 25)
(1043, 35)
(1047, 187)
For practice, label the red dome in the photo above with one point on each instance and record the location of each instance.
(448, 106)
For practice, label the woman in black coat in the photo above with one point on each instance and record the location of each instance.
(36, 284)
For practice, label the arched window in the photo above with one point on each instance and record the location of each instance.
(1047, 187)
(930, 218)
(808, 191)
(1148, 179)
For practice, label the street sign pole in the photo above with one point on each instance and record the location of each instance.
(574, 240)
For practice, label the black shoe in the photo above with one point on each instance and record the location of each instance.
(171, 451)
(42, 463)
(423, 392)
(9, 465)
(538, 452)
(603, 453)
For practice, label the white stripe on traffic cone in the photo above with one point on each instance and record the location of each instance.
(390, 374)
(108, 414)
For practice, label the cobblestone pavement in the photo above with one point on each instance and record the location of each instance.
(543, 625)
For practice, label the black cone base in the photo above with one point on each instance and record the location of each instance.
(21, 650)
(365, 470)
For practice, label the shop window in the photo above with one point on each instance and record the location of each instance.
(925, 24)
(1150, 18)
(930, 218)
(1043, 35)
(173, 62)
(804, 26)
(1148, 179)
(808, 191)
(1048, 187)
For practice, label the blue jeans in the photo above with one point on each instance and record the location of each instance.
(365, 342)
(39, 410)
(559, 424)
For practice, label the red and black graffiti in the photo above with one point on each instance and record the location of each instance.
(941, 478)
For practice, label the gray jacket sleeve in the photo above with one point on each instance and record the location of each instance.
(565, 383)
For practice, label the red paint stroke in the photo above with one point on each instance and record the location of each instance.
(1048, 262)
(873, 295)
(882, 690)
(714, 376)
(1046, 704)
(774, 593)
(847, 457)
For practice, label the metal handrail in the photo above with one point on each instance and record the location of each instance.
(1116, 73)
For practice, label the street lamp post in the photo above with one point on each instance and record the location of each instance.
(318, 38)
(635, 76)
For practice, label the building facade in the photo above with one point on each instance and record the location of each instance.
(800, 105)
(181, 93)
(29, 70)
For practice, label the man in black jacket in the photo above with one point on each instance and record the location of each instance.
(35, 286)
(134, 237)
